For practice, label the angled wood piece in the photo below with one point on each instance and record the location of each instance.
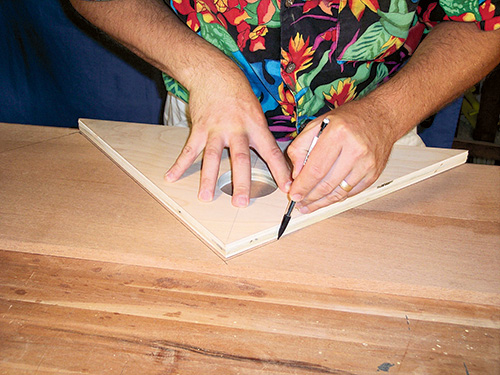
(145, 152)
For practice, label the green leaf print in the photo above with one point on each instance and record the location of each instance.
(305, 79)
(369, 45)
(309, 104)
(382, 72)
(457, 8)
(251, 10)
(217, 35)
(398, 20)
(312, 102)
(175, 88)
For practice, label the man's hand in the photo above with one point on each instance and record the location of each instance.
(353, 149)
(225, 113)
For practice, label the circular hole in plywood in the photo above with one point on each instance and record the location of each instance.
(262, 183)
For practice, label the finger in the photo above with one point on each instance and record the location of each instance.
(356, 181)
(195, 144)
(342, 166)
(298, 149)
(275, 159)
(364, 184)
(241, 170)
(210, 168)
(338, 194)
(321, 158)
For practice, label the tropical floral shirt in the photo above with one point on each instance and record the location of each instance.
(306, 57)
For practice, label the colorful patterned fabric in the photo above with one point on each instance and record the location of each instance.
(304, 58)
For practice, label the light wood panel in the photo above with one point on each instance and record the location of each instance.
(146, 152)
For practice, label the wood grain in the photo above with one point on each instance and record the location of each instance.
(190, 323)
(97, 278)
(143, 151)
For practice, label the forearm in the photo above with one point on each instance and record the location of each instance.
(452, 58)
(151, 30)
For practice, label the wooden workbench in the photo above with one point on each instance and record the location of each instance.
(97, 278)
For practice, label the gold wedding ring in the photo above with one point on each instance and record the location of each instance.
(345, 186)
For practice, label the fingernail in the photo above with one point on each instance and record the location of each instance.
(304, 210)
(204, 196)
(169, 177)
(241, 201)
(287, 186)
(296, 197)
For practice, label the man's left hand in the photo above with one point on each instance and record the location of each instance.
(349, 156)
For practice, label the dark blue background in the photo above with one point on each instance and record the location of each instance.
(56, 68)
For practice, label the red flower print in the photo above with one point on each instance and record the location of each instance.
(265, 11)
(358, 6)
(487, 10)
(243, 34)
(221, 5)
(394, 44)
(223, 12)
(184, 8)
(287, 102)
(298, 57)
(325, 5)
(345, 92)
(257, 41)
(426, 16)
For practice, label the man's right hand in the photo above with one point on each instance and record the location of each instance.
(225, 113)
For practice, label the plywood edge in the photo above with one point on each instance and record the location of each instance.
(184, 217)
(252, 242)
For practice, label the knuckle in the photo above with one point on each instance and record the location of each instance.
(275, 153)
(335, 196)
(188, 151)
(360, 151)
(369, 181)
(211, 153)
(325, 187)
(370, 163)
(241, 158)
(316, 171)
(340, 128)
(291, 151)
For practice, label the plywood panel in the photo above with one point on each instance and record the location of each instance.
(147, 151)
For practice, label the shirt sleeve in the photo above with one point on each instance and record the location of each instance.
(484, 13)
